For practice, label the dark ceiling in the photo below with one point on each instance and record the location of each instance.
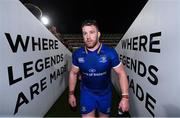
(113, 16)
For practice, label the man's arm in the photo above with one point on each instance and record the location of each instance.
(73, 77)
(123, 82)
(72, 83)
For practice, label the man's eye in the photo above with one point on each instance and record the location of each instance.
(92, 32)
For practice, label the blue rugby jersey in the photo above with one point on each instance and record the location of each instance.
(95, 67)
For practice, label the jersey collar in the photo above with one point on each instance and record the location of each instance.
(98, 51)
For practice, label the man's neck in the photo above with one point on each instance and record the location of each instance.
(95, 47)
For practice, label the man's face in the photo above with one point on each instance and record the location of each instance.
(90, 36)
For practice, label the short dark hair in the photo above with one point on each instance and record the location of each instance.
(90, 22)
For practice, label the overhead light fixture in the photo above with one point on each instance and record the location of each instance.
(45, 20)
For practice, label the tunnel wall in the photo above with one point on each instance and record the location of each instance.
(149, 51)
(33, 63)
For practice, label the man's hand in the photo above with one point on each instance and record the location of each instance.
(124, 104)
(72, 100)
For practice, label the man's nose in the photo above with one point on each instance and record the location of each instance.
(88, 36)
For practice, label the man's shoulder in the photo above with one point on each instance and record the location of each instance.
(79, 50)
(107, 48)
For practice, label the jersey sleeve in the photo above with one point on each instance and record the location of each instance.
(115, 61)
(75, 59)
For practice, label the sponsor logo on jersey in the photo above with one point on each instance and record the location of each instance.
(94, 74)
(92, 70)
(81, 60)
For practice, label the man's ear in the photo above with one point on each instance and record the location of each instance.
(99, 34)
